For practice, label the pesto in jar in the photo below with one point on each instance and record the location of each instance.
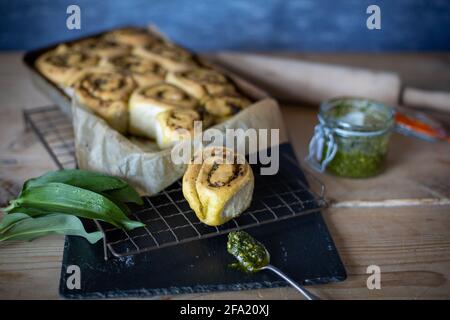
(251, 255)
(361, 130)
(359, 157)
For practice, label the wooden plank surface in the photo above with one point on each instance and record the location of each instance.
(399, 221)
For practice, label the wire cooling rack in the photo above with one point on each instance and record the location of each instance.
(54, 129)
(167, 216)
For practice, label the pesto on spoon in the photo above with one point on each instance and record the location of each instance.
(252, 256)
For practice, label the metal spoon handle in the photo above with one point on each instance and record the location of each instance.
(308, 295)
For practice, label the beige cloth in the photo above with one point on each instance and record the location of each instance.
(296, 80)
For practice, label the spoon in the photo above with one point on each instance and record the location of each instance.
(254, 257)
(308, 295)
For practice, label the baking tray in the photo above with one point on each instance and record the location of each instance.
(48, 88)
(55, 93)
(58, 96)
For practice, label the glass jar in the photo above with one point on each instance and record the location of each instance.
(351, 139)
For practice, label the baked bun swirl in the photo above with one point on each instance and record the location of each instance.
(147, 102)
(144, 71)
(106, 92)
(62, 64)
(200, 82)
(101, 47)
(131, 36)
(218, 186)
(172, 58)
(178, 124)
(221, 107)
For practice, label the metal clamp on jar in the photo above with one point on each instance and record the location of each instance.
(351, 139)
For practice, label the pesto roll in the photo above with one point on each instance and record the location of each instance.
(147, 102)
(171, 57)
(200, 82)
(218, 185)
(224, 106)
(106, 92)
(62, 65)
(178, 124)
(131, 36)
(101, 47)
(144, 71)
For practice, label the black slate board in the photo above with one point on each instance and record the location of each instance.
(300, 246)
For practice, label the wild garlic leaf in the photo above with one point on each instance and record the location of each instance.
(55, 223)
(126, 194)
(64, 198)
(93, 181)
(10, 220)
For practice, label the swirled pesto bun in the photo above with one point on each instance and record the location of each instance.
(171, 57)
(147, 102)
(106, 93)
(62, 65)
(224, 106)
(131, 36)
(218, 185)
(200, 82)
(100, 47)
(144, 71)
(178, 124)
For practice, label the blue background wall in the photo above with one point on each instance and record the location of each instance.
(207, 25)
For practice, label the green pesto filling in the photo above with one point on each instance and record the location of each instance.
(251, 255)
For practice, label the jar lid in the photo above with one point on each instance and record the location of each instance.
(352, 116)
(420, 125)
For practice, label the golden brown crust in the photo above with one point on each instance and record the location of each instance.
(178, 124)
(106, 92)
(165, 94)
(147, 102)
(62, 64)
(200, 82)
(171, 57)
(221, 107)
(182, 119)
(144, 71)
(218, 185)
(131, 36)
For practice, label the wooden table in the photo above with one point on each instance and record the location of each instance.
(399, 221)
